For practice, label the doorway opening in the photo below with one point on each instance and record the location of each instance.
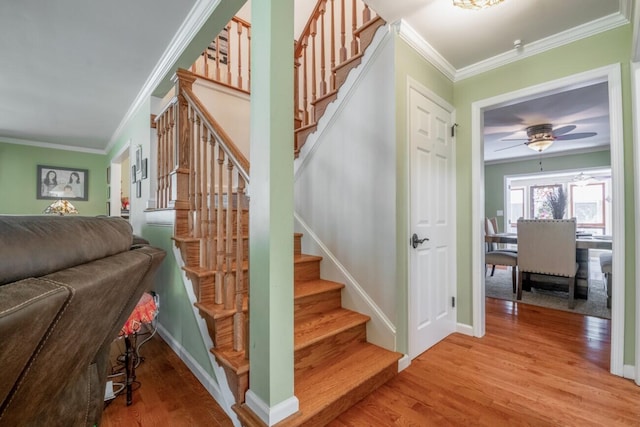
(612, 76)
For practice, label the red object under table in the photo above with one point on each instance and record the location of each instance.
(145, 311)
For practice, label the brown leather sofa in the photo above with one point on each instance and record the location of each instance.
(67, 285)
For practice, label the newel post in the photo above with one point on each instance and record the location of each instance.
(181, 168)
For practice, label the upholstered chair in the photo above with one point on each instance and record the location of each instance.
(605, 266)
(494, 257)
(547, 246)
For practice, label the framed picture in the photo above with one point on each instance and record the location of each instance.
(108, 209)
(55, 182)
(144, 169)
(139, 189)
(139, 157)
(133, 174)
(108, 174)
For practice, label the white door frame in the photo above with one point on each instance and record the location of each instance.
(635, 85)
(612, 75)
(433, 97)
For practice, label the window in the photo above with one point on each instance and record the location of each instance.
(587, 205)
(540, 209)
(516, 205)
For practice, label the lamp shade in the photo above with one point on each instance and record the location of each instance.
(61, 207)
(540, 145)
(475, 4)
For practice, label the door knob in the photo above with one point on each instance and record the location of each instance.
(415, 241)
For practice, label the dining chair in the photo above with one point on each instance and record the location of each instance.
(547, 247)
(494, 256)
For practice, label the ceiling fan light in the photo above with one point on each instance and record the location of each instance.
(540, 145)
(475, 4)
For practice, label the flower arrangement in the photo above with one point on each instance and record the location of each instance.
(557, 202)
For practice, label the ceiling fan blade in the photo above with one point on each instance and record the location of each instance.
(506, 148)
(578, 135)
(515, 139)
(563, 130)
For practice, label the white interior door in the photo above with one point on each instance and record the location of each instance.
(432, 262)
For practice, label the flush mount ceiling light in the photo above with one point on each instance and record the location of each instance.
(540, 137)
(475, 4)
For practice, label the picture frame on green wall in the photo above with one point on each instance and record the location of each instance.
(56, 182)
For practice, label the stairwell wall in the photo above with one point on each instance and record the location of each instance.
(345, 192)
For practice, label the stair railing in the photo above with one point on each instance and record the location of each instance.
(329, 39)
(227, 59)
(204, 176)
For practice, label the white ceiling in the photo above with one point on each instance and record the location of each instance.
(71, 69)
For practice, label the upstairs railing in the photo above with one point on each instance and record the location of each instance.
(227, 59)
(203, 175)
(330, 39)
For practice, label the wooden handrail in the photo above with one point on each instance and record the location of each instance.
(307, 28)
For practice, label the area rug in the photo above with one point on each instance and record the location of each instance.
(499, 286)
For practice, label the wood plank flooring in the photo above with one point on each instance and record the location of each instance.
(534, 367)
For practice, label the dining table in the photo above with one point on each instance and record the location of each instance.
(584, 243)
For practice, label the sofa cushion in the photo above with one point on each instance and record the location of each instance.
(59, 241)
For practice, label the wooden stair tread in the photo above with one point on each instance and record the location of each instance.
(200, 272)
(185, 239)
(321, 326)
(297, 259)
(313, 287)
(217, 311)
(334, 380)
(232, 359)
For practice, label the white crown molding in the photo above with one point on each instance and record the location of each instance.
(571, 35)
(409, 35)
(413, 39)
(49, 145)
(196, 18)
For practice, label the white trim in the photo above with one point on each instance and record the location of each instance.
(51, 146)
(274, 414)
(628, 372)
(160, 217)
(635, 52)
(346, 91)
(464, 329)
(415, 40)
(404, 363)
(611, 74)
(560, 39)
(199, 14)
(377, 315)
(635, 103)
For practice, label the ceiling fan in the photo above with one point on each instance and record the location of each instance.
(540, 137)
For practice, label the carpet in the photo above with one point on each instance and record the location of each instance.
(499, 286)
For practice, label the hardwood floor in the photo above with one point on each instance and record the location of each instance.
(169, 395)
(535, 366)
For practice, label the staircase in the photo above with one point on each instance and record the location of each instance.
(203, 176)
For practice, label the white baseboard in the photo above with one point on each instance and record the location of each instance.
(629, 372)
(404, 363)
(274, 414)
(465, 329)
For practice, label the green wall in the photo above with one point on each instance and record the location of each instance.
(18, 180)
(611, 47)
(176, 312)
(494, 174)
(408, 64)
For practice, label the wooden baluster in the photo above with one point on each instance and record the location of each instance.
(205, 57)
(313, 61)
(229, 62)
(219, 233)
(249, 58)
(323, 37)
(332, 80)
(366, 14)
(305, 97)
(212, 204)
(354, 27)
(163, 173)
(239, 78)
(171, 158)
(195, 169)
(230, 282)
(217, 59)
(192, 175)
(343, 40)
(296, 90)
(204, 214)
(159, 136)
(238, 317)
